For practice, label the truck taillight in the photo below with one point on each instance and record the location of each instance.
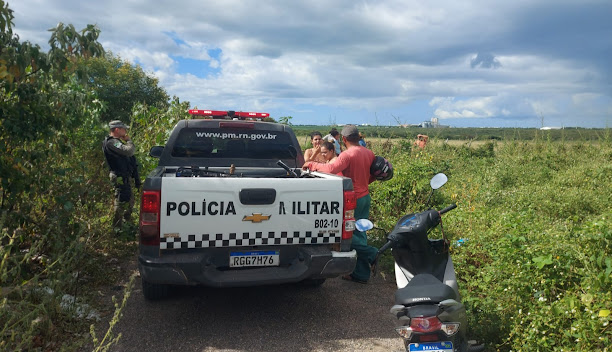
(348, 220)
(149, 218)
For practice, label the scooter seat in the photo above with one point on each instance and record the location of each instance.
(424, 288)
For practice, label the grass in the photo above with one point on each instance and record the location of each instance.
(60, 298)
(535, 268)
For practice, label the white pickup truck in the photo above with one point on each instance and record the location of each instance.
(228, 205)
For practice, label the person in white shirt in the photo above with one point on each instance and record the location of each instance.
(332, 136)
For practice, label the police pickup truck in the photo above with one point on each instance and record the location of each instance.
(229, 206)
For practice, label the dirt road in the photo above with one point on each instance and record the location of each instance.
(338, 316)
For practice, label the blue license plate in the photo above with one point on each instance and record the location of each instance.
(431, 347)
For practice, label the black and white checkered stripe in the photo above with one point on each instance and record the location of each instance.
(249, 239)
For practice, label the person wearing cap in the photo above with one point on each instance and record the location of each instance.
(355, 163)
(119, 153)
(421, 141)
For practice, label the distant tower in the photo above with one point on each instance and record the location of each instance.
(434, 121)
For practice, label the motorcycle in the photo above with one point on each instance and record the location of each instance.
(427, 302)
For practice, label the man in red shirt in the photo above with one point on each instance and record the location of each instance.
(355, 163)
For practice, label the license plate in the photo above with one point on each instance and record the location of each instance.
(431, 347)
(254, 258)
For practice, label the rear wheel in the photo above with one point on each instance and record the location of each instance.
(154, 291)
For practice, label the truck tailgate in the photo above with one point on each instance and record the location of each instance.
(237, 212)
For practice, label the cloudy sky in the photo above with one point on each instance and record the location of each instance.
(493, 63)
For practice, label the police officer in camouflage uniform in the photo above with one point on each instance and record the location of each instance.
(119, 153)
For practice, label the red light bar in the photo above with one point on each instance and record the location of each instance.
(254, 115)
(213, 113)
(230, 114)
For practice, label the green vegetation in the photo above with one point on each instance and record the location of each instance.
(120, 86)
(56, 248)
(467, 134)
(536, 263)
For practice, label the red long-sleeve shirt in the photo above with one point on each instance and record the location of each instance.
(354, 163)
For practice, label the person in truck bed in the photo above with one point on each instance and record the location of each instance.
(314, 153)
(355, 163)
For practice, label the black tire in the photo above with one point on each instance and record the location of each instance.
(154, 291)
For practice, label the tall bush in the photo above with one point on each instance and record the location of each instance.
(152, 126)
(55, 196)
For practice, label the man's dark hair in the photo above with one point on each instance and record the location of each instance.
(353, 138)
(334, 132)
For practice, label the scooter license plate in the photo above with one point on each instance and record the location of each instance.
(431, 347)
(254, 258)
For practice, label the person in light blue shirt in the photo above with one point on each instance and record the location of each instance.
(332, 137)
(362, 142)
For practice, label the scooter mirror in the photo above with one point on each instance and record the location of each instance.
(363, 225)
(438, 181)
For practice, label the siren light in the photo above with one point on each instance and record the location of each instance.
(218, 114)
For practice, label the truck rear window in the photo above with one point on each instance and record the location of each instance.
(233, 143)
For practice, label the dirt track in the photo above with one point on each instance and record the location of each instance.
(338, 316)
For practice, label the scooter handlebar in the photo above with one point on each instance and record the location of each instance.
(448, 208)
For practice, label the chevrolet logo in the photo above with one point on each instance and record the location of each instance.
(256, 217)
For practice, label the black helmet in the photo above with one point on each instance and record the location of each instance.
(382, 169)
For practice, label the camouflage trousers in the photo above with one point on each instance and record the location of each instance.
(123, 202)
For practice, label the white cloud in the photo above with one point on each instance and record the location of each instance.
(542, 107)
(455, 60)
(449, 108)
(150, 61)
(585, 98)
